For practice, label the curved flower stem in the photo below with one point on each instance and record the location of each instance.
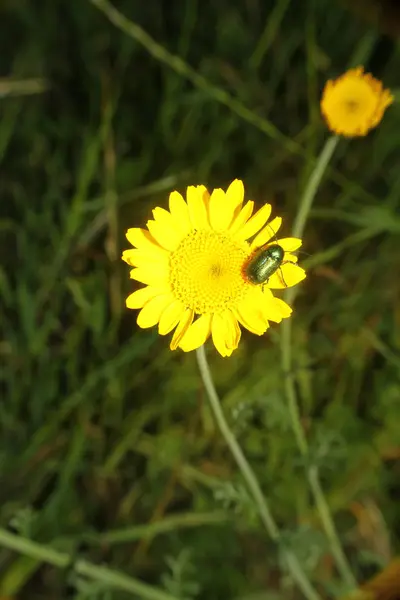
(286, 353)
(247, 472)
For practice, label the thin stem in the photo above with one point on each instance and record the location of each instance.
(286, 354)
(109, 577)
(120, 581)
(33, 549)
(251, 480)
(172, 523)
(313, 184)
(246, 470)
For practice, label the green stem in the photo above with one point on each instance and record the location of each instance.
(171, 523)
(34, 550)
(313, 184)
(120, 581)
(251, 480)
(286, 353)
(109, 577)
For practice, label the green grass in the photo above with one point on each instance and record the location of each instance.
(109, 453)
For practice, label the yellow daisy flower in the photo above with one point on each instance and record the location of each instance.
(354, 103)
(192, 260)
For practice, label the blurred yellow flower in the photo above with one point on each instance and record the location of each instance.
(191, 260)
(354, 103)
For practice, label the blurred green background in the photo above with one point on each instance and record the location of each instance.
(108, 448)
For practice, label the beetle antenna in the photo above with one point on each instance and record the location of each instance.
(273, 235)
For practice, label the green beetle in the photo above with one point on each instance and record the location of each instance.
(264, 263)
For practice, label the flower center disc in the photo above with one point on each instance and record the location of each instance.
(206, 271)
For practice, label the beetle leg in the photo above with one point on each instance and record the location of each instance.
(281, 273)
(282, 278)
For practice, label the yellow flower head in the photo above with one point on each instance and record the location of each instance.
(192, 260)
(354, 103)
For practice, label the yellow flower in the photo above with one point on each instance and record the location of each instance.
(354, 103)
(191, 260)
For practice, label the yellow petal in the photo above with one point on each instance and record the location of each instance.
(158, 277)
(183, 326)
(140, 258)
(128, 256)
(250, 314)
(234, 331)
(286, 276)
(224, 207)
(152, 311)
(267, 233)
(284, 308)
(166, 220)
(225, 332)
(290, 244)
(275, 309)
(255, 223)
(235, 196)
(166, 237)
(197, 207)
(141, 238)
(180, 212)
(219, 334)
(204, 195)
(139, 298)
(197, 334)
(170, 317)
(158, 269)
(220, 215)
(243, 216)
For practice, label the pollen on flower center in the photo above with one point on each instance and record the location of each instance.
(216, 271)
(206, 271)
(352, 105)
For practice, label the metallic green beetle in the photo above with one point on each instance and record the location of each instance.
(264, 263)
